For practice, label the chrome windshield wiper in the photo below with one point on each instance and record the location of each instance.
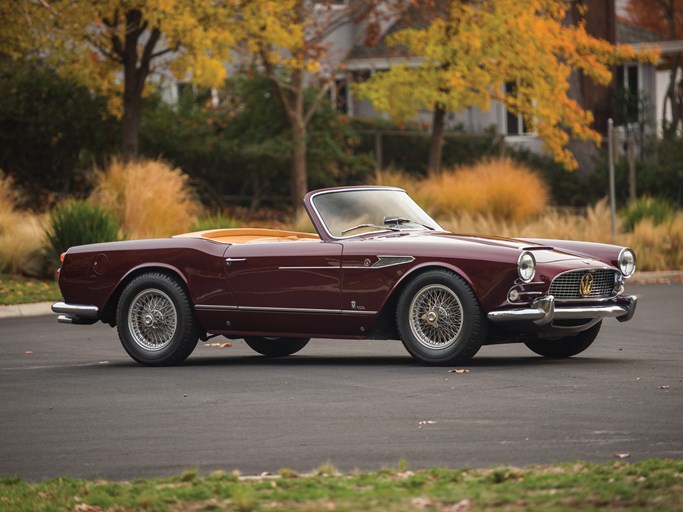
(402, 220)
(369, 226)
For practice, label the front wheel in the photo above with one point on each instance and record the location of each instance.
(276, 347)
(155, 321)
(567, 346)
(439, 318)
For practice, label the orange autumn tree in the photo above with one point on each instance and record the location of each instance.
(113, 46)
(472, 49)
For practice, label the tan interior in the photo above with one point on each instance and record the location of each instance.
(251, 235)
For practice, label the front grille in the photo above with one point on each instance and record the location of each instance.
(567, 286)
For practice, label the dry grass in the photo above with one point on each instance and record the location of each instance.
(498, 188)
(658, 247)
(149, 198)
(21, 235)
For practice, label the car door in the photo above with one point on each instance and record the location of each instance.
(285, 288)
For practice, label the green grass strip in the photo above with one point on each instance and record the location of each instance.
(16, 289)
(648, 485)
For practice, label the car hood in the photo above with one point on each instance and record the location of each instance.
(490, 245)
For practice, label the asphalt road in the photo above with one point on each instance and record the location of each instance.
(73, 403)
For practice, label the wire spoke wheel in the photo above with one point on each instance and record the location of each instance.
(152, 319)
(436, 316)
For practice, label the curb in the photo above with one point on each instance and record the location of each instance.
(26, 310)
(44, 308)
(657, 277)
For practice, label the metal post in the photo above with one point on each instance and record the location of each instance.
(631, 167)
(610, 165)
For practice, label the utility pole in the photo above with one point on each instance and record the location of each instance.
(610, 165)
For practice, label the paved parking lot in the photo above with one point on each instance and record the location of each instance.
(73, 403)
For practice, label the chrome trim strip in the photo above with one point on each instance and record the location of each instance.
(544, 311)
(329, 267)
(84, 310)
(260, 309)
(391, 261)
(305, 310)
(380, 264)
(211, 307)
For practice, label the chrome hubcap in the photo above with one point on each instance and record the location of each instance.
(152, 319)
(436, 316)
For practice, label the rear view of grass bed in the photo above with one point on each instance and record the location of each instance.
(647, 485)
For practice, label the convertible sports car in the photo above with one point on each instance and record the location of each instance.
(379, 267)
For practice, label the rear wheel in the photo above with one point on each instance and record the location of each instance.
(276, 347)
(439, 318)
(567, 346)
(155, 321)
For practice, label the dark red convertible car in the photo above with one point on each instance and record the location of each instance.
(379, 267)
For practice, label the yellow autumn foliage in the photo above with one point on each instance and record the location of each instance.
(472, 50)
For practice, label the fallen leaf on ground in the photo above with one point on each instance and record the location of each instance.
(421, 502)
(459, 370)
(461, 506)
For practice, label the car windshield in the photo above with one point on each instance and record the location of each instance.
(353, 212)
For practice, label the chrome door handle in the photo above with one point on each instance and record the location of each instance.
(230, 261)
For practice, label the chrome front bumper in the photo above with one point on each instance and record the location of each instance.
(76, 313)
(543, 311)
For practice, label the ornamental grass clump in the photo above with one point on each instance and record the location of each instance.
(500, 188)
(21, 235)
(658, 246)
(148, 197)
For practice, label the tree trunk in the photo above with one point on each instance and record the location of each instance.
(130, 124)
(298, 177)
(436, 143)
(136, 66)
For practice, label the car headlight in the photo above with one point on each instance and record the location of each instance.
(526, 267)
(627, 262)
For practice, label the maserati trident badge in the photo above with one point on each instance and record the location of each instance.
(586, 285)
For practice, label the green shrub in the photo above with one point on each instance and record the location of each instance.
(77, 223)
(51, 131)
(658, 211)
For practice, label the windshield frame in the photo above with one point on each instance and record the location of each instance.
(315, 214)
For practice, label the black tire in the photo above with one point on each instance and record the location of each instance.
(276, 347)
(439, 318)
(155, 320)
(565, 347)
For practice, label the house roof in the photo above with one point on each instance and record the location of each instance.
(628, 33)
(412, 18)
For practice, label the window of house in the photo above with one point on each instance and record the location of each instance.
(339, 95)
(515, 124)
(628, 92)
